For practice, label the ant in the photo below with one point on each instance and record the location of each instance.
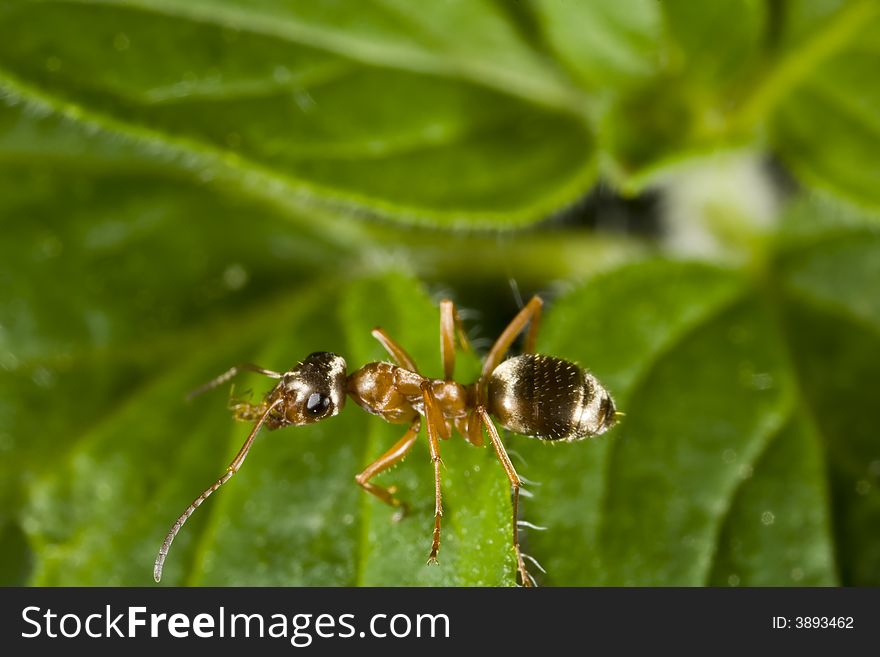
(538, 396)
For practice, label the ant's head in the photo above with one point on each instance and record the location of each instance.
(313, 390)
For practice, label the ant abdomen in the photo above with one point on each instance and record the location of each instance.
(549, 398)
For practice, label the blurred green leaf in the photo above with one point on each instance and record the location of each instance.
(477, 113)
(390, 114)
(828, 129)
(667, 73)
(715, 42)
(606, 43)
(796, 77)
(704, 57)
(748, 453)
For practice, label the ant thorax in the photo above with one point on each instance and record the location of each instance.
(395, 393)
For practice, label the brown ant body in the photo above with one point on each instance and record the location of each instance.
(534, 395)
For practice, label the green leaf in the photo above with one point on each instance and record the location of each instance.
(604, 42)
(828, 130)
(798, 81)
(712, 56)
(393, 114)
(477, 113)
(748, 453)
(684, 76)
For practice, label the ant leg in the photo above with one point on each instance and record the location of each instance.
(433, 416)
(397, 352)
(447, 338)
(530, 313)
(393, 456)
(450, 326)
(228, 374)
(515, 485)
(474, 430)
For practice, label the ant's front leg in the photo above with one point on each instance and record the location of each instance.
(393, 456)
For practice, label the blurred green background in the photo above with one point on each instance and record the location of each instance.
(693, 187)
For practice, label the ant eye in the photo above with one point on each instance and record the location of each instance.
(317, 403)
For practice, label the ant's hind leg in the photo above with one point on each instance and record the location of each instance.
(530, 314)
(515, 485)
(390, 458)
(230, 373)
(397, 352)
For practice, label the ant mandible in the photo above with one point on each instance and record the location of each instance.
(533, 395)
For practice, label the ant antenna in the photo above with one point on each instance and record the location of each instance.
(231, 470)
(230, 373)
